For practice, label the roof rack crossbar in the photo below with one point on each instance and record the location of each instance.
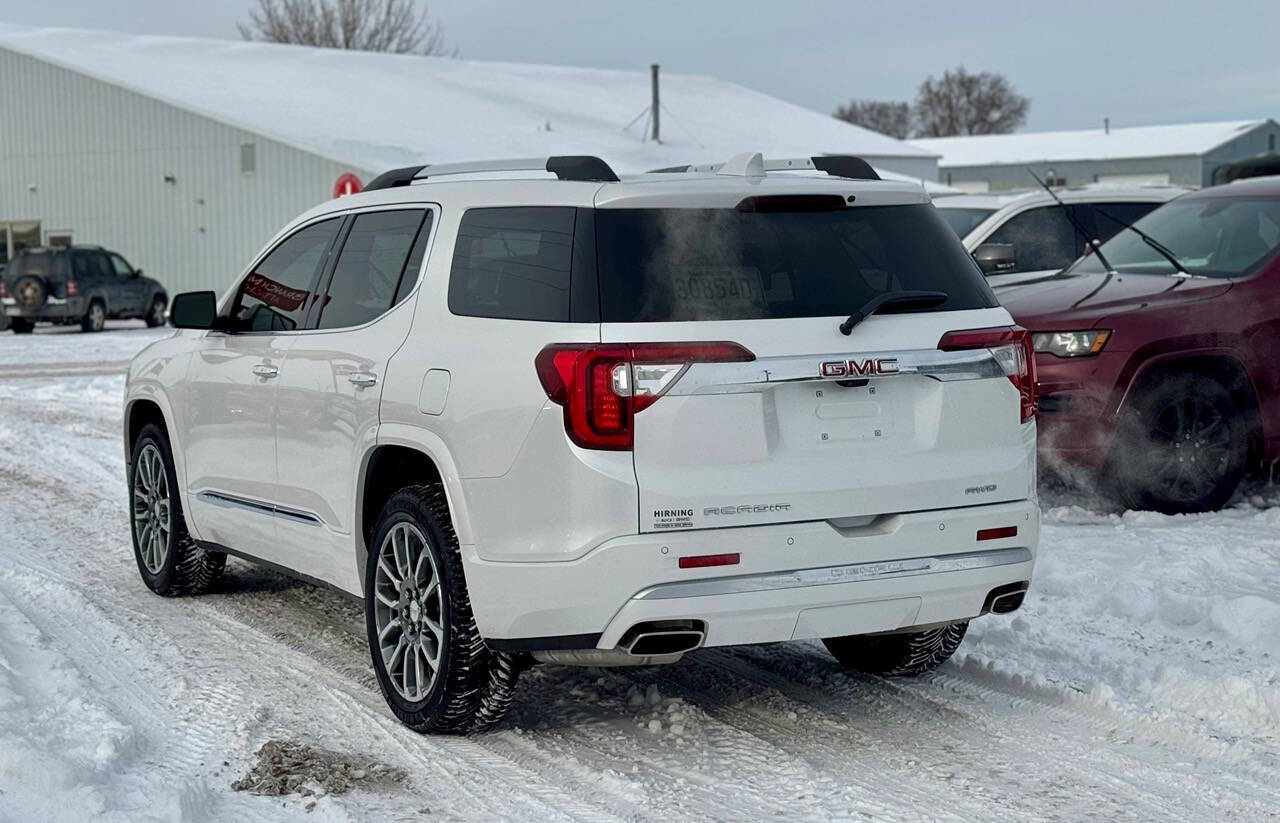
(847, 166)
(566, 167)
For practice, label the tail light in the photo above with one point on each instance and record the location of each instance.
(1011, 348)
(73, 288)
(602, 387)
(4, 290)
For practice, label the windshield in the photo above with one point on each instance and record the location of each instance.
(1210, 237)
(659, 265)
(963, 221)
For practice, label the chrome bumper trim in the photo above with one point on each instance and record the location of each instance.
(763, 374)
(827, 575)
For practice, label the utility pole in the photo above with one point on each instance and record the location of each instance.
(654, 70)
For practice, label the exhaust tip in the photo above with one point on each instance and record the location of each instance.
(1006, 599)
(664, 637)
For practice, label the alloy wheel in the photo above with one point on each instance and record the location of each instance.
(97, 317)
(408, 611)
(152, 512)
(1190, 450)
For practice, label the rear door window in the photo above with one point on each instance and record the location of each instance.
(1043, 238)
(513, 263)
(276, 295)
(659, 265)
(90, 265)
(373, 263)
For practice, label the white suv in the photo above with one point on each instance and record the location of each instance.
(584, 420)
(1022, 236)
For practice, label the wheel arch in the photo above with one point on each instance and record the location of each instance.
(138, 414)
(1223, 365)
(392, 464)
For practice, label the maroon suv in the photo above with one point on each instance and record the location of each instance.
(1159, 359)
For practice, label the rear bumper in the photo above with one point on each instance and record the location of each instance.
(54, 309)
(793, 581)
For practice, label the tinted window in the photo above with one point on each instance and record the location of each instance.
(1209, 236)
(413, 269)
(275, 296)
(121, 268)
(1042, 238)
(513, 263)
(370, 267)
(39, 262)
(725, 264)
(963, 221)
(87, 265)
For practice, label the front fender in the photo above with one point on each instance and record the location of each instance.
(152, 379)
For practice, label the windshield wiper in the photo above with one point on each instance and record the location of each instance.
(1149, 240)
(900, 301)
(1071, 216)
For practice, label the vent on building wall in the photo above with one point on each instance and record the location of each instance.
(248, 158)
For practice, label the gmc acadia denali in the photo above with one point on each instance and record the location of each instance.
(576, 419)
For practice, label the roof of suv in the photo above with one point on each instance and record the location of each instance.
(1248, 187)
(1094, 192)
(725, 185)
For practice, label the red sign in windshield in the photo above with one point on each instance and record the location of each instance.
(274, 294)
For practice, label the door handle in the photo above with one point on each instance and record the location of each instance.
(266, 371)
(362, 379)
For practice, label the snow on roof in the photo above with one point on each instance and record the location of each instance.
(1087, 144)
(378, 111)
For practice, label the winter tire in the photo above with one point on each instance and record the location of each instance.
(95, 317)
(894, 655)
(1183, 447)
(155, 315)
(169, 560)
(433, 667)
(21, 326)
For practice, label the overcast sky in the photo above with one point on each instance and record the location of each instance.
(1078, 60)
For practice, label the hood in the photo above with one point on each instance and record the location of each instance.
(1056, 301)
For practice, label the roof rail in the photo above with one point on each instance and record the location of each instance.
(837, 165)
(566, 167)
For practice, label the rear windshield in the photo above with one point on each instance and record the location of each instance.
(661, 265)
(963, 221)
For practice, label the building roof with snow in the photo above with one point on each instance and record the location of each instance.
(377, 111)
(1087, 144)
(1183, 154)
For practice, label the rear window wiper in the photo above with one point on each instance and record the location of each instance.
(899, 301)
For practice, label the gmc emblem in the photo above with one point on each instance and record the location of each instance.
(859, 368)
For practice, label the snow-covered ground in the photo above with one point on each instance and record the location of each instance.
(1141, 681)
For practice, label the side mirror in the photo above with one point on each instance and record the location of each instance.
(995, 258)
(194, 310)
(137, 272)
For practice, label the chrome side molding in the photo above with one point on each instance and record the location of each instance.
(270, 509)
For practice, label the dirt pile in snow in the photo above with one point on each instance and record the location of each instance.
(288, 767)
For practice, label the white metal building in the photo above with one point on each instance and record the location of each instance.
(187, 154)
(1184, 154)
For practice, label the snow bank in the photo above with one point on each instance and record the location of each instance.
(1163, 616)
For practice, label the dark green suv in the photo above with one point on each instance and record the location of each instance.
(77, 284)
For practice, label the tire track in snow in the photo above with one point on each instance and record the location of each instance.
(1079, 745)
